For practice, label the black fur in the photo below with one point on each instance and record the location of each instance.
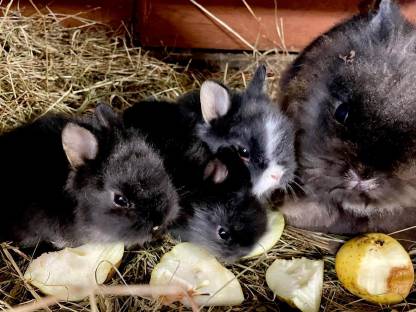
(245, 119)
(252, 122)
(169, 128)
(187, 141)
(358, 175)
(229, 206)
(205, 205)
(44, 198)
(174, 130)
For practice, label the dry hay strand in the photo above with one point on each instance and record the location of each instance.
(45, 66)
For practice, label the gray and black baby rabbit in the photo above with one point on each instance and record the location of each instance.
(71, 181)
(223, 217)
(252, 124)
(218, 210)
(351, 93)
(202, 121)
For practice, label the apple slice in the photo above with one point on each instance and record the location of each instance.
(298, 282)
(275, 226)
(66, 273)
(193, 268)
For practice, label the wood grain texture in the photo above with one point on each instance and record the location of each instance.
(180, 24)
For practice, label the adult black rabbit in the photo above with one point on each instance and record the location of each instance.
(351, 93)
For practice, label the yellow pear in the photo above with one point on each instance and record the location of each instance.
(376, 268)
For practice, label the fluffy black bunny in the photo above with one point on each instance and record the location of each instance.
(202, 121)
(170, 131)
(351, 93)
(223, 217)
(205, 159)
(71, 181)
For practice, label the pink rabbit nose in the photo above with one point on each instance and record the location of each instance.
(275, 177)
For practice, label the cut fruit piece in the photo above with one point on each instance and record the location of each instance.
(298, 282)
(193, 268)
(376, 268)
(66, 273)
(275, 227)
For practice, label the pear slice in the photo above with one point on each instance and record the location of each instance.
(275, 227)
(66, 273)
(194, 269)
(298, 282)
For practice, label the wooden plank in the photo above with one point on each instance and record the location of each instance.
(180, 24)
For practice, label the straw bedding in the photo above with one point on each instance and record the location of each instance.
(45, 66)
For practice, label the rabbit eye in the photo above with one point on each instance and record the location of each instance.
(156, 229)
(243, 153)
(223, 233)
(120, 201)
(341, 113)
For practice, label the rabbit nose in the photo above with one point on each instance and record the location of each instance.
(275, 177)
(362, 173)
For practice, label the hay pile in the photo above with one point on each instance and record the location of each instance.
(47, 67)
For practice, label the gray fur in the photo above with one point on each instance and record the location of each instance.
(357, 176)
(254, 123)
(45, 198)
(240, 214)
(228, 206)
(133, 169)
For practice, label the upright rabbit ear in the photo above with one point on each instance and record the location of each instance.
(215, 101)
(257, 84)
(387, 18)
(106, 116)
(79, 144)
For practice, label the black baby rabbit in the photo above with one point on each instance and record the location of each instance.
(214, 185)
(71, 181)
(223, 217)
(351, 93)
(202, 121)
(171, 132)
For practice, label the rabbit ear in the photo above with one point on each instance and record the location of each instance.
(216, 171)
(257, 84)
(215, 100)
(387, 18)
(79, 144)
(106, 116)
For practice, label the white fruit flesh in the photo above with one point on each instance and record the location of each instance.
(298, 282)
(275, 226)
(55, 273)
(375, 269)
(193, 268)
